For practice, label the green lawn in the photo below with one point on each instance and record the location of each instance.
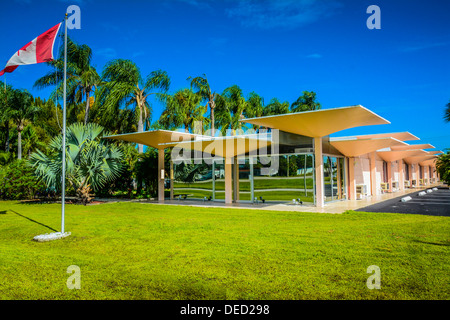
(145, 251)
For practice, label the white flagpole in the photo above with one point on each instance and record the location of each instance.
(63, 187)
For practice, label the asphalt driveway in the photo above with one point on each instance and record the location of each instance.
(435, 203)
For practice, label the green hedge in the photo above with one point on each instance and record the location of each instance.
(17, 182)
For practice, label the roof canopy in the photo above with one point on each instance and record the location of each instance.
(320, 123)
(391, 156)
(154, 138)
(412, 147)
(435, 152)
(402, 136)
(429, 162)
(418, 159)
(225, 147)
(353, 147)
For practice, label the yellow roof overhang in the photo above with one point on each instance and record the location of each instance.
(391, 156)
(355, 147)
(402, 136)
(429, 162)
(412, 147)
(435, 152)
(154, 138)
(320, 123)
(418, 159)
(225, 147)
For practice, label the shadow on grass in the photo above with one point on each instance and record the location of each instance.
(433, 243)
(37, 222)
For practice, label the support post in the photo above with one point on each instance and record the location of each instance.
(228, 181)
(401, 174)
(161, 175)
(416, 165)
(318, 160)
(252, 182)
(389, 175)
(171, 180)
(373, 175)
(235, 180)
(351, 178)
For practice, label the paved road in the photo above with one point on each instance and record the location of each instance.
(436, 203)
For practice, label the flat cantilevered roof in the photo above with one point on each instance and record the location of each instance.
(154, 138)
(353, 147)
(225, 147)
(429, 162)
(412, 147)
(435, 152)
(402, 136)
(320, 123)
(419, 159)
(391, 156)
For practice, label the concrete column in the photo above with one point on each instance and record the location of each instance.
(417, 174)
(338, 178)
(351, 179)
(401, 175)
(171, 180)
(389, 175)
(160, 175)
(228, 181)
(318, 161)
(410, 174)
(373, 175)
(235, 180)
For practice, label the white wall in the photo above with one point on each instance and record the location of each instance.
(362, 172)
(379, 175)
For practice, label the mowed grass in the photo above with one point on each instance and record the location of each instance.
(150, 251)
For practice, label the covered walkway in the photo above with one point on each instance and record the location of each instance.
(329, 207)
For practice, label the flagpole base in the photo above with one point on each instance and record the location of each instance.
(51, 236)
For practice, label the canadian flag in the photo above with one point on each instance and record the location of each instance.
(37, 51)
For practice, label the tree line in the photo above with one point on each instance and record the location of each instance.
(113, 101)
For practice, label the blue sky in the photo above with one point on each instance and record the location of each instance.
(277, 48)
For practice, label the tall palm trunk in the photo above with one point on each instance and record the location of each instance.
(141, 128)
(19, 143)
(7, 137)
(88, 104)
(212, 106)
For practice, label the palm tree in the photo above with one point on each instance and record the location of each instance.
(276, 107)
(33, 139)
(202, 85)
(183, 108)
(124, 86)
(5, 112)
(82, 78)
(22, 109)
(306, 102)
(255, 107)
(230, 106)
(447, 113)
(90, 162)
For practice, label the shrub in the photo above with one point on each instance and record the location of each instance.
(17, 181)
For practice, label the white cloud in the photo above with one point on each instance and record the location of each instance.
(314, 56)
(267, 14)
(107, 53)
(423, 46)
